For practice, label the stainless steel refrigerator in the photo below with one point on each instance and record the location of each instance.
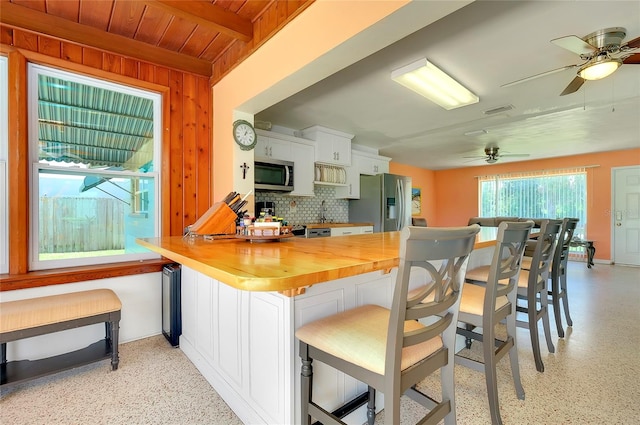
(385, 201)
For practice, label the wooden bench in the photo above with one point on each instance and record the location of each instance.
(43, 315)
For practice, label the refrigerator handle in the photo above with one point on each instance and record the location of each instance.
(400, 197)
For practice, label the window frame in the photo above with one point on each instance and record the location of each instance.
(4, 173)
(499, 178)
(33, 72)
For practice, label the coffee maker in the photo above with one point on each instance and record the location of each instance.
(267, 207)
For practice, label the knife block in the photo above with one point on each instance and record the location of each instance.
(217, 220)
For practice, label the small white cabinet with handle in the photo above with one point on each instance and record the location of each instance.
(272, 148)
(272, 145)
(351, 230)
(303, 170)
(370, 163)
(332, 146)
(361, 163)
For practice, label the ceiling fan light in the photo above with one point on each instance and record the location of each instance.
(599, 69)
(428, 80)
(491, 160)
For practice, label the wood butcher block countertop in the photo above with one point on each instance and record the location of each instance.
(287, 265)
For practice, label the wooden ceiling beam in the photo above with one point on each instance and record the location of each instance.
(32, 20)
(208, 15)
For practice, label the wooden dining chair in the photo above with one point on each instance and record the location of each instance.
(532, 288)
(487, 302)
(482, 221)
(390, 350)
(558, 273)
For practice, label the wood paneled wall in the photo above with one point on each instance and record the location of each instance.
(186, 162)
(187, 117)
(276, 15)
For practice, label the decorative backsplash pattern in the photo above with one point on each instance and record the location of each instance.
(303, 210)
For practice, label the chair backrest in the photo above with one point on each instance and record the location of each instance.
(543, 255)
(443, 253)
(562, 246)
(537, 222)
(507, 258)
(483, 221)
(499, 220)
(419, 221)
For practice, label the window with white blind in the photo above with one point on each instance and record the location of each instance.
(539, 194)
(4, 142)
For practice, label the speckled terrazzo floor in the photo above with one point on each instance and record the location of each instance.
(593, 378)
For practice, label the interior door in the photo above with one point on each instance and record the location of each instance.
(626, 215)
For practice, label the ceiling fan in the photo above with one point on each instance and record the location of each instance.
(491, 155)
(602, 53)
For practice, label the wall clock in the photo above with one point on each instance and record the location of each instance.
(244, 135)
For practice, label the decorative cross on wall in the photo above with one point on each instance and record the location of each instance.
(244, 167)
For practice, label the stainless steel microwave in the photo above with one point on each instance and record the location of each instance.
(273, 175)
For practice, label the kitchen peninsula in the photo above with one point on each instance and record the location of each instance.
(242, 301)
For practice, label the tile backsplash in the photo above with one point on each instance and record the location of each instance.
(303, 210)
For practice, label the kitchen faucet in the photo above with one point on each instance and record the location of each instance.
(323, 218)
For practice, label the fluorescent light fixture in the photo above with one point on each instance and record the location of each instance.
(476, 132)
(601, 67)
(426, 79)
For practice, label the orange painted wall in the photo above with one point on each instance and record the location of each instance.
(423, 179)
(454, 197)
(299, 43)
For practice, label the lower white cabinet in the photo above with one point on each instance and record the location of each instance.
(351, 230)
(243, 342)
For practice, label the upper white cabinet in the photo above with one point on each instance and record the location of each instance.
(361, 163)
(331, 146)
(370, 164)
(272, 147)
(351, 189)
(303, 170)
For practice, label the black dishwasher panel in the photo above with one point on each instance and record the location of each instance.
(171, 308)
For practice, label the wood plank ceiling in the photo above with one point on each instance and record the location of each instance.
(193, 36)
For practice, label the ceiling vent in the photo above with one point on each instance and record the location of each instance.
(499, 109)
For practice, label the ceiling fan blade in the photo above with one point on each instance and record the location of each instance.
(573, 86)
(633, 59)
(634, 43)
(513, 155)
(542, 74)
(574, 44)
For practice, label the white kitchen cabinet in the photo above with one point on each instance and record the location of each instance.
(272, 148)
(351, 230)
(351, 190)
(370, 164)
(303, 169)
(332, 146)
(366, 229)
(361, 163)
(272, 145)
(243, 342)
